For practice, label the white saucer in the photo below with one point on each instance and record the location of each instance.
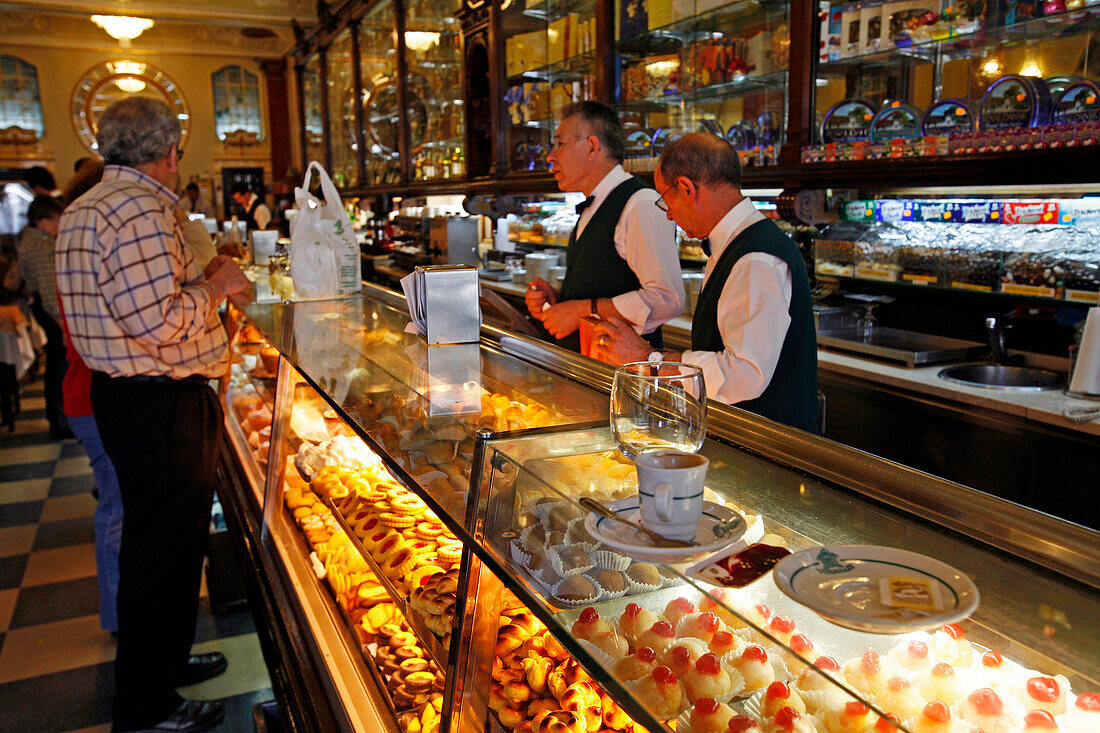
(719, 527)
(841, 583)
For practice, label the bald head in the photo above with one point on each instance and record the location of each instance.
(706, 159)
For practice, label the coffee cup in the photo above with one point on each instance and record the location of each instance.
(670, 492)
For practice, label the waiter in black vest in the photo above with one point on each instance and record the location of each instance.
(256, 213)
(622, 259)
(753, 329)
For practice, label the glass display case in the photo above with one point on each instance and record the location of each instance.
(550, 59)
(714, 66)
(312, 124)
(341, 111)
(436, 109)
(410, 497)
(1022, 247)
(381, 115)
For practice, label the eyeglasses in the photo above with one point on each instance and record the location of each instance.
(179, 154)
(661, 203)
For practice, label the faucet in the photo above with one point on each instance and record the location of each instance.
(998, 354)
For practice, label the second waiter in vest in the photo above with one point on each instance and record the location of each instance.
(622, 259)
(753, 328)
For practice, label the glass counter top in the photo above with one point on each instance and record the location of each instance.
(419, 405)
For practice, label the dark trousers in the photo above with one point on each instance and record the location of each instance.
(163, 439)
(56, 365)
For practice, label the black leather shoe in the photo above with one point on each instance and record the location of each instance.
(202, 667)
(191, 716)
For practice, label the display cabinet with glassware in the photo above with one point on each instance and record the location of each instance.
(718, 67)
(436, 109)
(550, 61)
(378, 96)
(391, 465)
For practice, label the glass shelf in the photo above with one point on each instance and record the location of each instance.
(551, 10)
(962, 45)
(743, 12)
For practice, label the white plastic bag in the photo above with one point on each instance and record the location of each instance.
(324, 253)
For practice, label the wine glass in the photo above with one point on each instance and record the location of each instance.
(658, 406)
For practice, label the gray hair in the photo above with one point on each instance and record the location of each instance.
(701, 157)
(604, 123)
(137, 130)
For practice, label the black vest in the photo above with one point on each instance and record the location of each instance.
(594, 268)
(791, 396)
(250, 214)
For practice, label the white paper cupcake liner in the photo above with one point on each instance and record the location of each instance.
(822, 700)
(754, 705)
(775, 658)
(604, 659)
(555, 562)
(608, 560)
(683, 723)
(573, 603)
(635, 588)
(519, 555)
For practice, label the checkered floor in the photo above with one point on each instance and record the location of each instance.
(56, 664)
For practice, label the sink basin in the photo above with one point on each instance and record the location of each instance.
(1003, 377)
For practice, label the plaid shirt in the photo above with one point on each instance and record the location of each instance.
(35, 248)
(130, 290)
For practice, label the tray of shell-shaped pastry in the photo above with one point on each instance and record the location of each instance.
(695, 659)
(410, 552)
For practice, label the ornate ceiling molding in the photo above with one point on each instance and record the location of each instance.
(238, 12)
(207, 38)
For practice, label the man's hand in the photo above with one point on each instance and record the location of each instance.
(538, 294)
(565, 317)
(227, 280)
(617, 343)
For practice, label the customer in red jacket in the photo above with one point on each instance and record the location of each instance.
(76, 398)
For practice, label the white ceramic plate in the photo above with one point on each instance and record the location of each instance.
(718, 527)
(842, 584)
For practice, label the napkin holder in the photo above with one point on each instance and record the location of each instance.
(451, 311)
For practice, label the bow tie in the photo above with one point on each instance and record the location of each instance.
(584, 204)
(705, 244)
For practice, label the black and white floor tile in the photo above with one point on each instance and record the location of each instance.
(56, 664)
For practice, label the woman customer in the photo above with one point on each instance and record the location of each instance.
(36, 264)
(78, 408)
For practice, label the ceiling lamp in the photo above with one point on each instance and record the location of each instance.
(123, 27)
(421, 41)
(130, 84)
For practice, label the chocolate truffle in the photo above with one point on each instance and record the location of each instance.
(577, 588)
(644, 573)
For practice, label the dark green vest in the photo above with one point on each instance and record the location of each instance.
(791, 396)
(594, 268)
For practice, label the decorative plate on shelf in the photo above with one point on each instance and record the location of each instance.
(718, 528)
(881, 590)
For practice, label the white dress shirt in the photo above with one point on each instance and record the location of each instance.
(646, 239)
(753, 315)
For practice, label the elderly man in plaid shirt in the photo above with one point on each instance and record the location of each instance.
(142, 316)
